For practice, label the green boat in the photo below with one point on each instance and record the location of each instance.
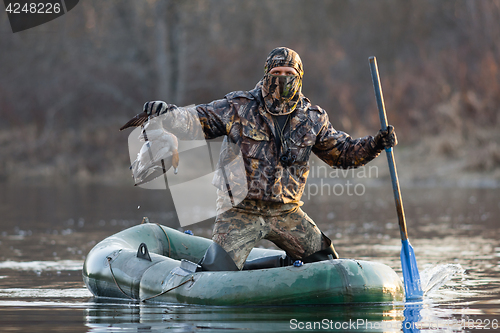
(154, 263)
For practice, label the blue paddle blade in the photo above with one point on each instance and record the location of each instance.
(413, 286)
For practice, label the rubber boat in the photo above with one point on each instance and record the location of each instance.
(153, 263)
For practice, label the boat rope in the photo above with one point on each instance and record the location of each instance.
(166, 291)
(116, 282)
(168, 239)
(147, 298)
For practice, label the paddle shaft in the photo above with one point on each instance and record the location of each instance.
(390, 155)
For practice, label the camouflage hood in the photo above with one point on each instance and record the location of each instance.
(282, 93)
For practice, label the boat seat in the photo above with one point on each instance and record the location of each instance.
(268, 262)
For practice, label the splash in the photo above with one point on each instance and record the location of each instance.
(433, 278)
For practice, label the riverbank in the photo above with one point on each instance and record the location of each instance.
(99, 155)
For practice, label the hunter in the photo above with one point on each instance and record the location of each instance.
(276, 129)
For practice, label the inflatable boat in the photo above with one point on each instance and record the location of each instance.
(153, 263)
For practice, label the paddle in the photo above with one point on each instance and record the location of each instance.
(413, 288)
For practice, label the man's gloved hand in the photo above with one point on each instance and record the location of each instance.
(156, 108)
(150, 110)
(386, 139)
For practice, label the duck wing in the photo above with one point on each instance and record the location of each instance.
(154, 171)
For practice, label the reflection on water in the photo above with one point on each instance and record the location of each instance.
(46, 233)
(184, 318)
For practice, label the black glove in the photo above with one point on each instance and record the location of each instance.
(156, 108)
(386, 139)
(150, 110)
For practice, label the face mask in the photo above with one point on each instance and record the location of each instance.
(281, 93)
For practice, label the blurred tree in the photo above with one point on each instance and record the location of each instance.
(66, 86)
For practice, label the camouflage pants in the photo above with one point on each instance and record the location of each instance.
(238, 230)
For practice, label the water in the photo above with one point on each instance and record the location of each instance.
(47, 231)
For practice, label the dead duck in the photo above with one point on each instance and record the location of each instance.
(158, 153)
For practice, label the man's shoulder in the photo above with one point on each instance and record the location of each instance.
(241, 94)
(306, 105)
(316, 109)
(315, 113)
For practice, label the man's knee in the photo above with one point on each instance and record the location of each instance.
(327, 252)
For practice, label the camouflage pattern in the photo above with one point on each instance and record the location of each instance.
(284, 57)
(286, 225)
(243, 120)
(241, 117)
(273, 189)
(272, 206)
(281, 93)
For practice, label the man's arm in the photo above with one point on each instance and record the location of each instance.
(338, 149)
(216, 118)
(204, 121)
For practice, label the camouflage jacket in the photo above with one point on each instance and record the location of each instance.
(240, 117)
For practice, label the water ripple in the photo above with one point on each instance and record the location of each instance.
(61, 265)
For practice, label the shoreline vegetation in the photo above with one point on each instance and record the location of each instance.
(101, 157)
(68, 85)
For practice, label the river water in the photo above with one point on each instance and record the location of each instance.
(47, 231)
